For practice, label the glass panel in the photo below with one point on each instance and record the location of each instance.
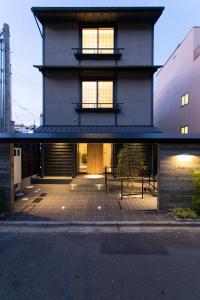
(107, 156)
(82, 153)
(106, 40)
(185, 99)
(89, 94)
(89, 40)
(184, 130)
(105, 94)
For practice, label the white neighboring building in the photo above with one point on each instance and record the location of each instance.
(177, 97)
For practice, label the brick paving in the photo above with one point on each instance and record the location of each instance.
(83, 200)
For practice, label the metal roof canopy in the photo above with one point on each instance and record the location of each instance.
(43, 68)
(97, 14)
(103, 137)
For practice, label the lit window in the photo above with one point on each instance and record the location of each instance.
(97, 94)
(185, 99)
(184, 130)
(98, 40)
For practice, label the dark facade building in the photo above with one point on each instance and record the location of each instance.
(97, 78)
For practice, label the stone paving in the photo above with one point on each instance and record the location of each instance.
(83, 201)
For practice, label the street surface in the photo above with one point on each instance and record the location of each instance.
(59, 264)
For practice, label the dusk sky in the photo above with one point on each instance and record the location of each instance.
(177, 20)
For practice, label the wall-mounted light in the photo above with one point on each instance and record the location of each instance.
(185, 157)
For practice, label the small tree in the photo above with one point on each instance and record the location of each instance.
(131, 161)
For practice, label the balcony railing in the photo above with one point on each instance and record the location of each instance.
(98, 53)
(97, 107)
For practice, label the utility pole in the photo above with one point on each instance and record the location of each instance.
(5, 80)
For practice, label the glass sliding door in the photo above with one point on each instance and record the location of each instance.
(105, 94)
(98, 40)
(82, 158)
(97, 94)
(106, 40)
(89, 94)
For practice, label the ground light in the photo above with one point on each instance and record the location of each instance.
(99, 186)
(94, 176)
(73, 185)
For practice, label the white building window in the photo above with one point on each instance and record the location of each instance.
(184, 130)
(185, 99)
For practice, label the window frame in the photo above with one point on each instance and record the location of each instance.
(116, 108)
(117, 53)
(184, 127)
(97, 26)
(97, 94)
(185, 104)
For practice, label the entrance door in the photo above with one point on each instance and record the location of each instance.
(95, 158)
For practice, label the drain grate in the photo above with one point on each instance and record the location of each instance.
(37, 200)
(43, 194)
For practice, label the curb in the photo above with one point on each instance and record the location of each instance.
(101, 224)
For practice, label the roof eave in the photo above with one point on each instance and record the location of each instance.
(114, 137)
(41, 13)
(43, 68)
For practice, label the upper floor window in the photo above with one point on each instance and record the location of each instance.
(184, 130)
(97, 94)
(185, 99)
(98, 40)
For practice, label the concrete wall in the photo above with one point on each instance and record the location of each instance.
(63, 89)
(175, 187)
(7, 175)
(179, 75)
(61, 38)
(134, 91)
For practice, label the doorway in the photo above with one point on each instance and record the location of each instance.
(93, 158)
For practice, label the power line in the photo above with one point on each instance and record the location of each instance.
(25, 109)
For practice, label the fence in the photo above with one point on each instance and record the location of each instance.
(130, 186)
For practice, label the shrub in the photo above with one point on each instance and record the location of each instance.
(184, 213)
(196, 195)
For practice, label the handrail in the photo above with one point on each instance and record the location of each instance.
(98, 50)
(96, 105)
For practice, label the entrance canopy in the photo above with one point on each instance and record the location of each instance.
(98, 134)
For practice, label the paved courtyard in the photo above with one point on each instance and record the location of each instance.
(83, 200)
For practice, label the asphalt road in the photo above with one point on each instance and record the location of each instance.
(59, 265)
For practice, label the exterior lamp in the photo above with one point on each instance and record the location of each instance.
(185, 157)
(99, 186)
(73, 185)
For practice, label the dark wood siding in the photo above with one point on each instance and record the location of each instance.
(30, 159)
(59, 159)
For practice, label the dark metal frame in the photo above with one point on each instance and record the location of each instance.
(116, 55)
(115, 107)
(100, 137)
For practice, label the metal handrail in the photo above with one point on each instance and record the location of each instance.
(98, 50)
(97, 105)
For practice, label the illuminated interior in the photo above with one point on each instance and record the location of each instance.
(97, 94)
(185, 99)
(98, 40)
(184, 130)
(107, 156)
(83, 157)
